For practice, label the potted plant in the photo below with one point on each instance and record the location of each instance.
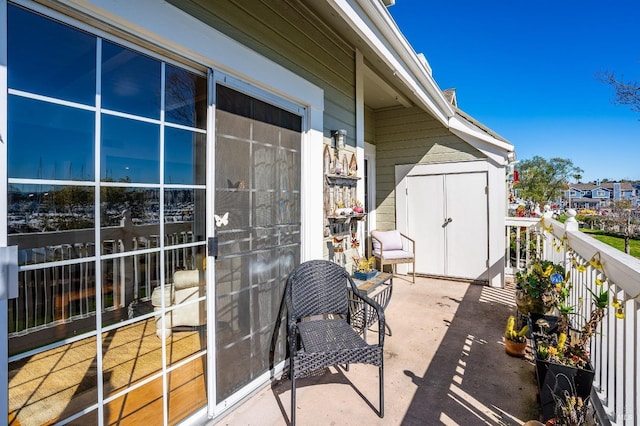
(364, 268)
(570, 409)
(515, 341)
(538, 286)
(561, 354)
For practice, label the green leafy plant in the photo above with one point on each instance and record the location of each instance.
(539, 287)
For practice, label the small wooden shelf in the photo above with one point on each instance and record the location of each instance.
(342, 180)
(345, 218)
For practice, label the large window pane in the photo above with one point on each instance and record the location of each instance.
(184, 216)
(49, 58)
(130, 150)
(54, 384)
(127, 285)
(53, 303)
(185, 157)
(49, 141)
(187, 389)
(130, 81)
(50, 211)
(131, 353)
(129, 218)
(185, 98)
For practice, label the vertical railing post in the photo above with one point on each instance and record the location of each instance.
(571, 224)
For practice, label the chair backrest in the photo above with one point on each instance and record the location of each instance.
(390, 240)
(317, 287)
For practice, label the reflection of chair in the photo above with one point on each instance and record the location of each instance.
(187, 285)
(319, 324)
(389, 249)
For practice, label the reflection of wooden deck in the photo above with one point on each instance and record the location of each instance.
(61, 382)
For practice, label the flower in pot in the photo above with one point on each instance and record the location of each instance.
(537, 287)
(364, 268)
(515, 340)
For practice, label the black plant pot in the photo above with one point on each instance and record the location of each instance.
(559, 378)
(554, 379)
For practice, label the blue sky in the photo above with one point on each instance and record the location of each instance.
(527, 71)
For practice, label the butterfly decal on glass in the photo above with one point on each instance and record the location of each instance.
(221, 220)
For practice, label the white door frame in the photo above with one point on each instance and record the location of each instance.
(370, 156)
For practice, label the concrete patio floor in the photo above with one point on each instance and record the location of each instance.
(444, 364)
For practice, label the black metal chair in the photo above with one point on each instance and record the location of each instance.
(321, 326)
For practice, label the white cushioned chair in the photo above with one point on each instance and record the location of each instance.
(187, 285)
(393, 247)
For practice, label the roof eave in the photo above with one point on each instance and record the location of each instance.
(405, 64)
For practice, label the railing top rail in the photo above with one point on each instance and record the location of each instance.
(620, 268)
(521, 221)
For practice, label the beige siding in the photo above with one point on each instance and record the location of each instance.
(286, 32)
(369, 125)
(410, 136)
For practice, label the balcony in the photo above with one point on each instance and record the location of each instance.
(444, 364)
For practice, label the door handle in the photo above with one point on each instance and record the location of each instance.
(447, 221)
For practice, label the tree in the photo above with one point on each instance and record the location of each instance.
(627, 93)
(620, 221)
(542, 181)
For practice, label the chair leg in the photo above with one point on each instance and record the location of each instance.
(293, 392)
(381, 391)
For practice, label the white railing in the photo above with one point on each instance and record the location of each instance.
(523, 241)
(614, 349)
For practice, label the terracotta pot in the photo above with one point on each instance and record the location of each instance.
(514, 348)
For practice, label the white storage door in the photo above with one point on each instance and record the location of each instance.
(425, 202)
(447, 216)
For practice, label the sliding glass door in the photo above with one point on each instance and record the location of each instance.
(106, 166)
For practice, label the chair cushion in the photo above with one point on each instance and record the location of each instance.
(186, 279)
(156, 296)
(396, 254)
(391, 240)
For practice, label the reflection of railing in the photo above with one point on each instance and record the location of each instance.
(58, 283)
(614, 348)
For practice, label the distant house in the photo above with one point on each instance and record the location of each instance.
(598, 195)
(165, 164)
